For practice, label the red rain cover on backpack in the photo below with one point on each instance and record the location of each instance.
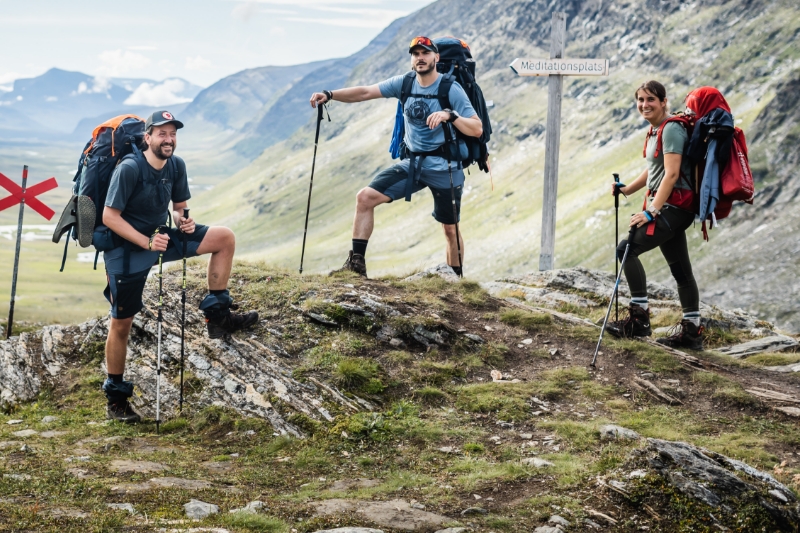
(736, 180)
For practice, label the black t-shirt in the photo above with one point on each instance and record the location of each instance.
(144, 202)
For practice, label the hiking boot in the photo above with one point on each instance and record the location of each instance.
(121, 411)
(85, 218)
(355, 263)
(227, 322)
(684, 335)
(636, 325)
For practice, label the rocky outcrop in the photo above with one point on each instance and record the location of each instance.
(719, 481)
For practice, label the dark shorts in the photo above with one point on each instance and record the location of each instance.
(124, 291)
(392, 183)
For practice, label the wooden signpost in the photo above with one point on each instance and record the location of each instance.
(556, 68)
(21, 196)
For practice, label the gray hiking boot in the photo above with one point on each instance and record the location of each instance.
(636, 325)
(121, 411)
(355, 263)
(684, 335)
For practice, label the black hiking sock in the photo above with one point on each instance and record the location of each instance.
(457, 270)
(217, 292)
(115, 378)
(360, 247)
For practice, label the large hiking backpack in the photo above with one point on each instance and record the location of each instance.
(717, 152)
(111, 142)
(456, 65)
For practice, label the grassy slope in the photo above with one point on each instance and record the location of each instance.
(502, 226)
(430, 399)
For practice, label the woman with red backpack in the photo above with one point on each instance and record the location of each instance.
(668, 212)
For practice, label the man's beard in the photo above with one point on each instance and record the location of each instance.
(427, 71)
(159, 153)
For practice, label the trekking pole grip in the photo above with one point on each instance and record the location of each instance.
(616, 189)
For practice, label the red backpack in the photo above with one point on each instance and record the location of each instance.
(736, 178)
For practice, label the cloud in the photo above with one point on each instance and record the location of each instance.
(157, 94)
(197, 63)
(9, 77)
(350, 22)
(118, 62)
(99, 85)
(277, 31)
(245, 11)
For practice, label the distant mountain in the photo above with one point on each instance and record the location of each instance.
(291, 110)
(86, 125)
(741, 46)
(59, 99)
(234, 100)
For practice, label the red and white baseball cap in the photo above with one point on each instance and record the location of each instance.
(159, 118)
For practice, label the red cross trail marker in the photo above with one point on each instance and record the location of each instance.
(23, 195)
(556, 68)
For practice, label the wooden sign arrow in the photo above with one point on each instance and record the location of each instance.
(560, 67)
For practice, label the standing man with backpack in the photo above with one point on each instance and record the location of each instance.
(432, 156)
(140, 191)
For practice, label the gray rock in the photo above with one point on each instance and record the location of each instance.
(773, 343)
(559, 521)
(474, 511)
(548, 529)
(394, 514)
(198, 510)
(443, 270)
(474, 338)
(122, 507)
(322, 319)
(251, 508)
(14, 422)
(350, 530)
(784, 368)
(25, 433)
(396, 343)
(710, 477)
(233, 387)
(535, 461)
(18, 477)
(591, 524)
(612, 432)
(145, 467)
(453, 530)
(49, 419)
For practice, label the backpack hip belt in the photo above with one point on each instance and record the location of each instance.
(415, 161)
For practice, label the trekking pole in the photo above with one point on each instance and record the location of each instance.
(183, 309)
(311, 183)
(613, 294)
(455, 211)
(160, 229)
(616, 233)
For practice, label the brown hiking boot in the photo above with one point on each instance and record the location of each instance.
(121, 411)
(636, 325)
(355, 263)
(684, 335)
(229, 322)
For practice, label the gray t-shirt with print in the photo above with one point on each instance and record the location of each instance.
(419, 137)
(674, 139)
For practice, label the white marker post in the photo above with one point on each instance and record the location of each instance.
(556, 68)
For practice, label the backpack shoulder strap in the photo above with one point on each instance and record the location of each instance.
(444, 90)
(408, 83)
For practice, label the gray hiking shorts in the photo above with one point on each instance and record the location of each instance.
(392, 183)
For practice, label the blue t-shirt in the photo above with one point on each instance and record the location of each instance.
(420, 138)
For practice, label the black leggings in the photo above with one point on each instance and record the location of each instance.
(670, 236)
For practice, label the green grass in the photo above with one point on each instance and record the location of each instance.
(525, 319)
(243, 521)
(773, 359)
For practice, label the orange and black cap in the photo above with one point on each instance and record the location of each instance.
(424, 42)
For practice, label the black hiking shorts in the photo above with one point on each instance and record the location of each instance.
(392, 183)
(124, 291)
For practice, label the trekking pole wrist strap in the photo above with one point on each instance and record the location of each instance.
(328, 94)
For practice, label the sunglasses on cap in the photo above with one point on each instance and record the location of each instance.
(424, 42)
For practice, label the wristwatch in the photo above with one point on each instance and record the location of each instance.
(453, 115)
(652, 209)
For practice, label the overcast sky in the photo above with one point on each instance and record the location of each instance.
(199, 40)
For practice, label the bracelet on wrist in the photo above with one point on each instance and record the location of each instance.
(648, 216)
(328, 94)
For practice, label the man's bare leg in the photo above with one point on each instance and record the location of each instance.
(452, 247)
(117, 344)
(220, 242)
(367, 200)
